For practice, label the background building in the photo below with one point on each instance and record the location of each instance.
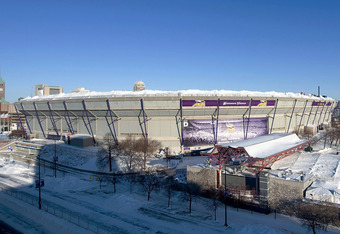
(2, 91)
(43, 90)
(5, 109)
(80, 90)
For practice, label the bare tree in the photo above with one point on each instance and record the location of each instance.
(109, 149)
(129, 147)
(100, 178)
(131, 178)
(328, 136)
(315, 216)
(114, 179)
(190, 193)
(150, 181)
(280, 196)
(325, 136)
(332, 136)
(315, 139)
(337, 133)
(28, 162)
(102, 159)
(146, 148)
(168, 188)
(214, 195)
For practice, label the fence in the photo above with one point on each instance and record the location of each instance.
(63, 213)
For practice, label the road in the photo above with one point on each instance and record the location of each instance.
(5, 229)
(86, 207)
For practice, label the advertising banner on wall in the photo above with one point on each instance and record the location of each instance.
(203, 103)
(200, 132)
(315, 103)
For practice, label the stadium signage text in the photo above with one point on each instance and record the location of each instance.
(203, 103)
(315, 103)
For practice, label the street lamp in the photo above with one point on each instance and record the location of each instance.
(39, 183)
(225, 194)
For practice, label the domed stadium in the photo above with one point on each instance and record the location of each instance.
(182, 121)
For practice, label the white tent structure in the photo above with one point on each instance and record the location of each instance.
(326, 191)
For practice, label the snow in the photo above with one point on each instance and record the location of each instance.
(80, 199)
(180, 93)
(321, 165)
(327, 191)
(27, 219)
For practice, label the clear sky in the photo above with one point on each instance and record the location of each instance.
(105, 45)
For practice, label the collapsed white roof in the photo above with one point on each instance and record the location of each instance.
(268, 145)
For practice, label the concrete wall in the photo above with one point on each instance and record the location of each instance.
(270, 189)
(288, 189)
(206, 178)
(81, 141)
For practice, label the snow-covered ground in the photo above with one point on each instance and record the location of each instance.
(322, 165)
(76, 204)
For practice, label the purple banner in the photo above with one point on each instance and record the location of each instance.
(203, 103)
(315, 103)
(200, 132)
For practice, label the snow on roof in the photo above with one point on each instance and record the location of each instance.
(324, 191)
(80, 136)
(329, 185)
(180, 93)
(268, 145)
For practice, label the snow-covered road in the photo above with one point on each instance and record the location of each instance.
(77, 205)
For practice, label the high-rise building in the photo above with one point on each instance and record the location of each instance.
(2, 90)
(43, 90)
(5, 108)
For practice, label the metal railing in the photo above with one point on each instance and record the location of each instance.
(75, 218)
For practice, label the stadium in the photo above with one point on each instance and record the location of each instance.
(183, 121)
(249, 133)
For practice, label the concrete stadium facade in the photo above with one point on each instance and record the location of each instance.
(180, 120)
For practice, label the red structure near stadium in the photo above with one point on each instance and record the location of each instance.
(257, 153)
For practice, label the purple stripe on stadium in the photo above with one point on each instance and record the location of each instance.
(202, 103)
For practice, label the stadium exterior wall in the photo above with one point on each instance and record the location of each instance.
(168, 118)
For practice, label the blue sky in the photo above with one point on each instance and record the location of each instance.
(283, 45)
